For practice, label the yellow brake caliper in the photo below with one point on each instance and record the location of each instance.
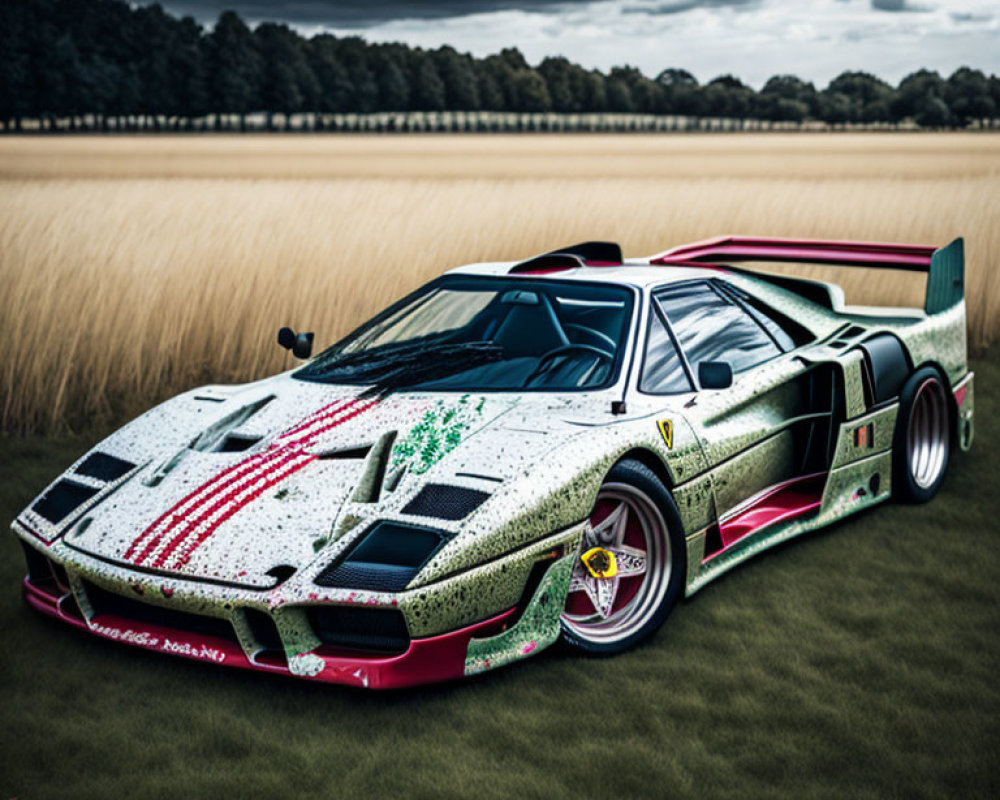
(600, 563)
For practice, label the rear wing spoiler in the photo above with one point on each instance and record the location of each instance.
(945, 266)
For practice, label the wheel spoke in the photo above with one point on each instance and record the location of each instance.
(606, 530)
(631, 561)
(601, 592)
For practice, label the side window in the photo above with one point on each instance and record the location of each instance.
(786, 332)
(712, 327)
(662, 369)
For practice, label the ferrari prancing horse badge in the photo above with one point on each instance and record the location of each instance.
(666, 427)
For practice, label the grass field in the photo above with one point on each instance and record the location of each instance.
(861, 661)
(135, 268)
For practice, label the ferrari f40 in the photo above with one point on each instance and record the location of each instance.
(513, 454)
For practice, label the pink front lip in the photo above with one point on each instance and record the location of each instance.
(428, 660)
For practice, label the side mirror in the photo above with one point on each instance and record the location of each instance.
(300, 344)
(715, 374)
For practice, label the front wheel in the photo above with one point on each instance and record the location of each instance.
(922, 441)
(630, 570)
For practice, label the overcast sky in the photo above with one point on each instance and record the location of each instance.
(753, 39)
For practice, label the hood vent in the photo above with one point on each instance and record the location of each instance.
(214, 437)
(369, 488)
(441, 501)
(350, 454)
(237, 444)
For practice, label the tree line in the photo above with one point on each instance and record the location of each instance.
(94, 61)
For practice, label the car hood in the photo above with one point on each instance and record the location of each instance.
(244, 485)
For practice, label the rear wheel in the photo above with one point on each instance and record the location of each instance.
(922, 442)
(630, 570)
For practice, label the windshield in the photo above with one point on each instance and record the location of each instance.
(500, 334)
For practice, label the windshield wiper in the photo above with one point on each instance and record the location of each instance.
(402, 364)
(436, 362)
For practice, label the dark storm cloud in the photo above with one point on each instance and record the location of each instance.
(890, 5)
(677, 6)
(353, 13)
(366, 13)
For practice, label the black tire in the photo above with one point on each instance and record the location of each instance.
(655, 596)
(922, 440)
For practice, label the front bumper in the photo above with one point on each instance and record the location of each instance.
(224, 625)
(430, 660)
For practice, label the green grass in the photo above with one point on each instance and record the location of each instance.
(860, 661)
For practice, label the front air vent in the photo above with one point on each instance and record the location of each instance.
(103, 467)
(61, 500)
(379, 629)
(40, 571)
(441, 501)
(105, 602)
(263, 629)
(385, 559)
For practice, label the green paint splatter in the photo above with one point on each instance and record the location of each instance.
(438, 432)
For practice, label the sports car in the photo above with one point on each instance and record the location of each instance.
(515, 453)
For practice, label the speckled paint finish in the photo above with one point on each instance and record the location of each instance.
(883, 427)
(325, 463)
(965, 390)
(538, 627)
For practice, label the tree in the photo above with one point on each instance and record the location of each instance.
(643, 95)
(14, 99)
(353, 53)
(287, 82)
(234, 65)
(393, 88)
(335, 88)
(680, 92)
(727, 96)
(967, 93)
(461, 90)
(428, 88)
(787, 98)
(530, 92)
(933, 112)
(557, 72)
(594, 92)
(867, 97)
(914, 93)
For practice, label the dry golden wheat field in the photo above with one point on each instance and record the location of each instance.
(133, 268)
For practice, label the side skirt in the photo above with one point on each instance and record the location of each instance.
(849, 489)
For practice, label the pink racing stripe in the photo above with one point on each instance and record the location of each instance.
(199, 527)
(196, 530)
(211, 505)
(226, 510)
(150, 537)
